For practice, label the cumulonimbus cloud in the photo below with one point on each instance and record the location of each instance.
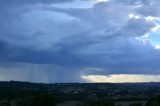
(104, 36)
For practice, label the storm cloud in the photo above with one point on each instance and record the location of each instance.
(61, 40)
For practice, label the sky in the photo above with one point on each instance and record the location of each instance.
(80, 40)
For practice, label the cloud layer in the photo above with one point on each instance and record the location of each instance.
(67, 41)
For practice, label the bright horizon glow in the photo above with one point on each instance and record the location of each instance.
(121, 78)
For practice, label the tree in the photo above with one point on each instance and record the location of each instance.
(153, 103)
(5, 104)
(136, 104)
(44, 100)
(102, 103)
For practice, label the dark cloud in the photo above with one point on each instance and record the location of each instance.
(151, 10)
(37, 37)
(30, 2)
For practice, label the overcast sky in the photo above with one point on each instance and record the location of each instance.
(78, 40)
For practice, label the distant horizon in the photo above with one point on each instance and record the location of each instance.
(79, 82)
